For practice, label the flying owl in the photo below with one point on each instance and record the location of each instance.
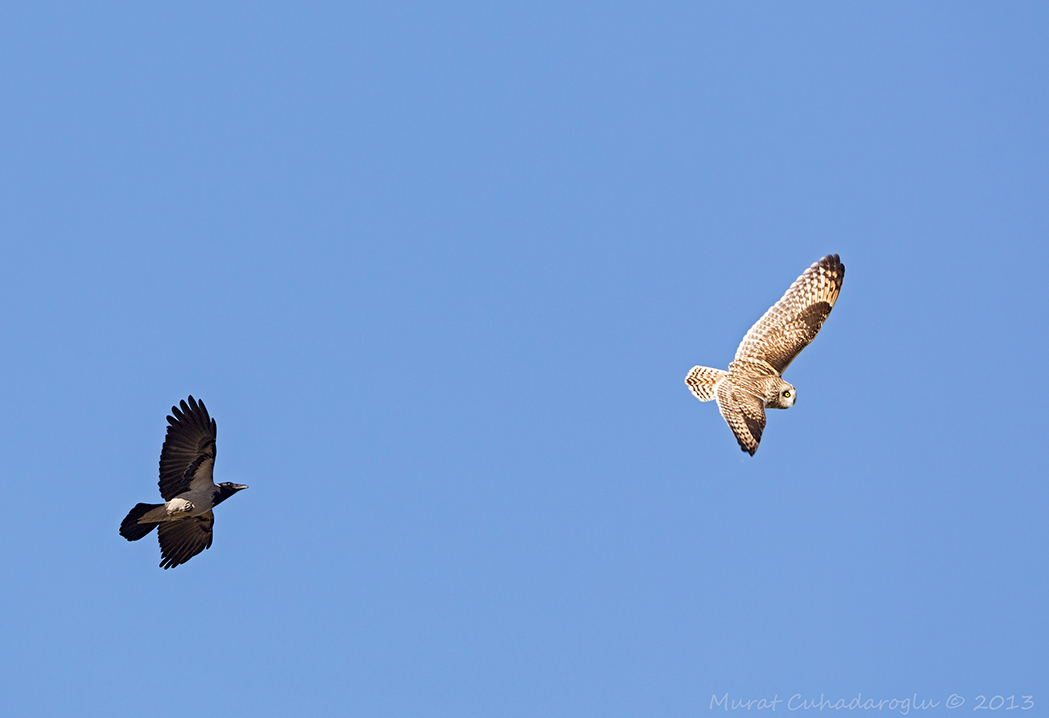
(753, 381)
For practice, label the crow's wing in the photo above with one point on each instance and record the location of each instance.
(188, 456)
(183, 539)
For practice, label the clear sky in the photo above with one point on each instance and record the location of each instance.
(438, 271)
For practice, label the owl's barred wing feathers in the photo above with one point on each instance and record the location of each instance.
(744, 413)
(792, 322)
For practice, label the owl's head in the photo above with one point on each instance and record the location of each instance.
(780, 395)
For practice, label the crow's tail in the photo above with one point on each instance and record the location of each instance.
(131, 529)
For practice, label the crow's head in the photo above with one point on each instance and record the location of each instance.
(225, 490)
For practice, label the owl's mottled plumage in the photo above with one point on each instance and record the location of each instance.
(753, 381)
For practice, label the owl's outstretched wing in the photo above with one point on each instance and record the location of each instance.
(744, 413)
(792, 322)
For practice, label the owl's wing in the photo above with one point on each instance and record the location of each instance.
(792, 322)
(744, 413)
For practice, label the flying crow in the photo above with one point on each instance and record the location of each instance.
(186, 463)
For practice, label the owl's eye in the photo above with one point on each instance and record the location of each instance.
(786, 393)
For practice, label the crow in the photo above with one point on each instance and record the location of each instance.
(186, 463)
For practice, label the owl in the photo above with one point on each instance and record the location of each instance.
(754, 380)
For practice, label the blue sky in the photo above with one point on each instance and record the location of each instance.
(439, 271)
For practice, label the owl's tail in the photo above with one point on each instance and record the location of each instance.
(703, 381)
